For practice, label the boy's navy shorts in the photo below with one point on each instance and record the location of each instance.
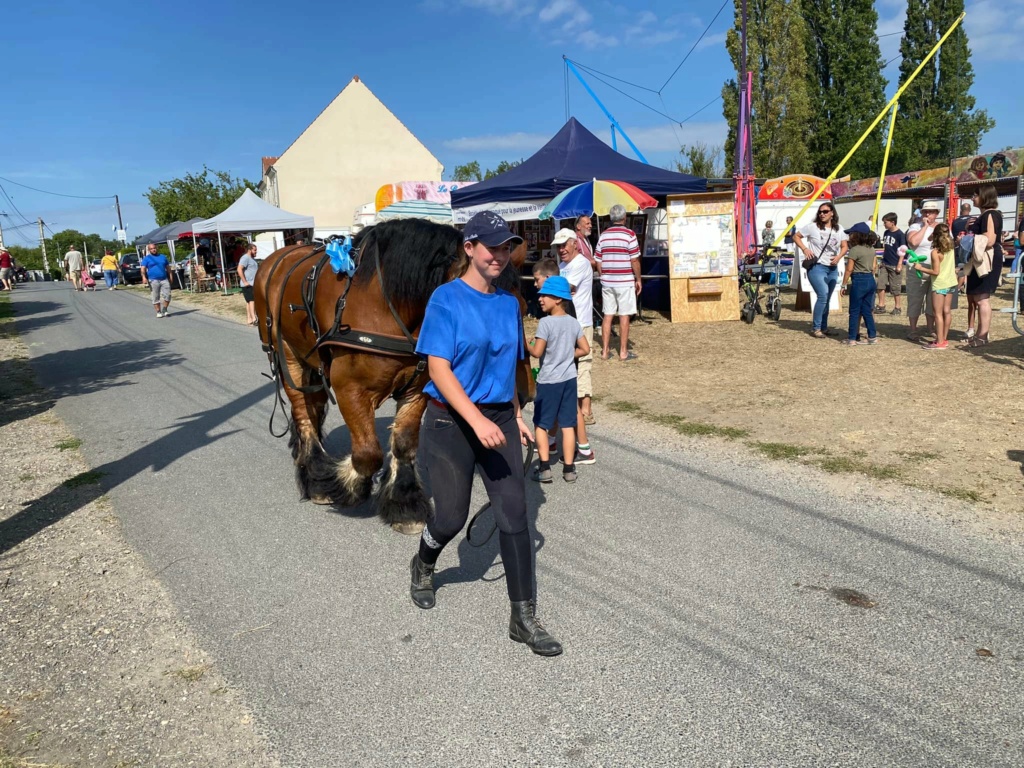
(555, 403)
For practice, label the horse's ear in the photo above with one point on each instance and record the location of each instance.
(519, 256)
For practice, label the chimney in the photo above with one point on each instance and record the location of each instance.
(355, 78)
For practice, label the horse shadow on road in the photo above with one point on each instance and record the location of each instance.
(189, 434)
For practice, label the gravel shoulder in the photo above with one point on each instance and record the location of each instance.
(98, 668)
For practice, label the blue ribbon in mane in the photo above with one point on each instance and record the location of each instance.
(340, 252)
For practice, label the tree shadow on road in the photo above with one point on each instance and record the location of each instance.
(190, 434)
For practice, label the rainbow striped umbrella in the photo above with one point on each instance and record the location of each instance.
(596, 197)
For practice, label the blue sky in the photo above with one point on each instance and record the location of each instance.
(113, 96)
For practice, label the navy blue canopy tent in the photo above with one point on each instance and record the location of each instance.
(573, 156)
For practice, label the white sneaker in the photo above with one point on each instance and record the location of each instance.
(970, 333)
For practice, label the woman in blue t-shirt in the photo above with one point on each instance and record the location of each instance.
(472, 337)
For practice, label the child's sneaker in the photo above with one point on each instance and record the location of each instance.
(585, 458)
(569, 473)
(543, 475)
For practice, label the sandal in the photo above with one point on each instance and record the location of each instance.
(850, 343)
(818, 334)
(977, 341)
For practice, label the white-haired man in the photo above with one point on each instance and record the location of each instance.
(618, 260)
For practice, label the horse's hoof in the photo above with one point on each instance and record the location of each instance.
(325, 500)
(409, 528)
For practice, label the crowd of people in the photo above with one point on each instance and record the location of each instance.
(938, 262)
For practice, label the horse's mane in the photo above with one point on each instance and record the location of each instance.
(415, 258)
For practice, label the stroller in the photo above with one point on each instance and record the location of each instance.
(87, 281)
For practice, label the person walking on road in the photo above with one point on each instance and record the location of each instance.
(247, 267)
(558, 344)
(472, 336)
(74, 263)
(826, 243)
(618, 260)
(6, 269)
(111, 269)
(156, 273)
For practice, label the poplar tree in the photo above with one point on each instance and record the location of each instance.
(937, 119)
(845, 84)
(780, 107)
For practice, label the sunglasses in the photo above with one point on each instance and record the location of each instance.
(824, 210)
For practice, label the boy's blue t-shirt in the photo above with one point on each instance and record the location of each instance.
(480, 334)
(156, 266)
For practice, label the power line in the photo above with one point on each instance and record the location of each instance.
(619, 79)
(694, 46)
(628, 96)
(13, 206)
(58, 194)
(717, 98)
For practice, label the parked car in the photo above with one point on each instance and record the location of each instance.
(131, 273)
(95, 270)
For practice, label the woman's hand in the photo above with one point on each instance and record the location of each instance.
(836, 260)
(488, 433)
(525, 435)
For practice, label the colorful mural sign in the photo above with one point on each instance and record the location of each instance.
(796, 187)
(431, 191)
(998, 165)
(935, 177)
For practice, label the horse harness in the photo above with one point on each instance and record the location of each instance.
(339, 334)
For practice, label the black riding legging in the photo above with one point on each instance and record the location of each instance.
(452, 453)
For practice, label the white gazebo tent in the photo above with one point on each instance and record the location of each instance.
(249, 213)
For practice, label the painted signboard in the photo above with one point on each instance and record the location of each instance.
(794, 187)
(431, 191)
(998, 165)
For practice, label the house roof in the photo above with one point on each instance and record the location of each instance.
(267, 162)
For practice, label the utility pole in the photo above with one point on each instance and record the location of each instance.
(120, 224)
(42, 245)
(2, 214)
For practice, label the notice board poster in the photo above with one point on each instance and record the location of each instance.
(701, 235)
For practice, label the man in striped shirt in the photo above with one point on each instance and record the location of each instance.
(618, 260)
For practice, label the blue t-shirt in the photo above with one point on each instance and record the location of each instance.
(480, 334)
(156, 266)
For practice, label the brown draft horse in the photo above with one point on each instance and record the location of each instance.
(400, 262)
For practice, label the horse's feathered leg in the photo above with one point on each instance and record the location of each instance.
(352, 477)
(401, 500)
(308, 410)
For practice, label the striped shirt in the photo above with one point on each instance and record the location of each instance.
(616, 248)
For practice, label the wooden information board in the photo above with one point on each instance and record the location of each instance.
(702, 257)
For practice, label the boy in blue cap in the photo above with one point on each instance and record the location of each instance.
(560, 342)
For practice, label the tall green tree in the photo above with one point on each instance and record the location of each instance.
(845, 84)
(701, 159)
(471, 171)
(197, 194)
(780, 104)
(937, 119)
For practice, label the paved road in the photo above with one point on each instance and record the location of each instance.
(690, 590)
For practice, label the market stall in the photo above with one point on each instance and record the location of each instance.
(247, 215)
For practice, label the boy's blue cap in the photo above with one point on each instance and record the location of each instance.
(861, 227)
(490, 229)
(556, 286)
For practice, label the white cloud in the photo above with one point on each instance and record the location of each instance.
(711, 40)
(521, 141)
(995, 30)
(573, 12)
(588, 38)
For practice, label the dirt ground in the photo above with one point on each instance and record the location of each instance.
(97, 668)
(946, 421)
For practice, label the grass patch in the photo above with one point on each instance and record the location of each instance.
(69, 445)
(84, 478)
(680, 424)
(190, 674)
(26, 478)
(963, 494)
(620, 407)
(780, 450)
(917, 455)
(843, 465)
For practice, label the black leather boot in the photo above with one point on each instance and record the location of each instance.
(523, 627)
(422, 587)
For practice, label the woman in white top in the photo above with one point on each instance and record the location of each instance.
(826, 243)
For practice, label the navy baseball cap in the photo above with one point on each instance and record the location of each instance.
(490, 229)
(860, 227)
